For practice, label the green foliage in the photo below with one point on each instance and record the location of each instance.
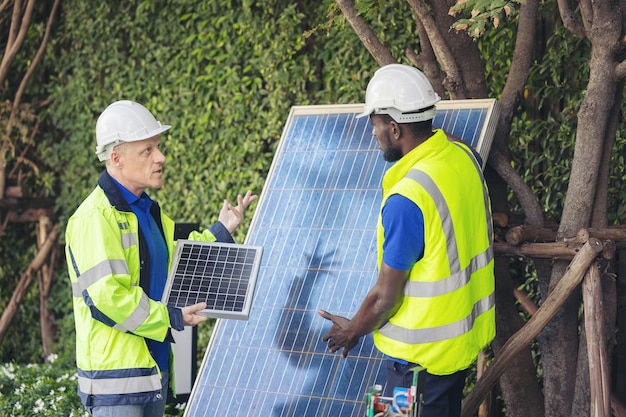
(482, 13)
(495, 46)
(617, 179)
(47, 389)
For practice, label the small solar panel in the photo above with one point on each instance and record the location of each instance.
(223, 275)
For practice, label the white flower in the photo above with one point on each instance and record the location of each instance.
(63, 377)
(52, 358)
(39, 405)
(18, 406)
(9, 370)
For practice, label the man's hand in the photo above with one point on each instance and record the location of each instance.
(231, 216)
(191, 316)
(339, 335)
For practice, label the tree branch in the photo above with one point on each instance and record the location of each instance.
(569, 19)
(426, 60)
(16, 36)
(454, 77)
(519, 72)
(620, 70)
(525, 196)
(33, 64)
(378, 51)
(4, 5)
(587, 14)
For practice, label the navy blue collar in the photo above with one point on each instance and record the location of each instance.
(113, 193)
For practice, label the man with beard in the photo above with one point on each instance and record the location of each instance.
(432, 305)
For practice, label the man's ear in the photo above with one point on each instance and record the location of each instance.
(115, 158)
(395, 130)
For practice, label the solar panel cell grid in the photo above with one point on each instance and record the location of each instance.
(221, 275)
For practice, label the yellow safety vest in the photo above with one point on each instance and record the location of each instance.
(112, 313)
(447, 315)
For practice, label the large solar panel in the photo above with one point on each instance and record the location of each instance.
(316, 220)
(221, 274)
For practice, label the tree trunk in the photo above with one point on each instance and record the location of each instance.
(559, 341)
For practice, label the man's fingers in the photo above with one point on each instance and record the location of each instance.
(326, 315)
(197, 307)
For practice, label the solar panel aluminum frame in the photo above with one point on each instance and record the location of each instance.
(178, 257)
(487, 129)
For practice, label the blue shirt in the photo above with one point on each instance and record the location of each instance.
(403, 223)
(158, 262)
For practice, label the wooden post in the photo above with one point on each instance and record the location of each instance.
(599, 374)
(484, 410)
(518, 234)
(46, 323)
(24, 282)
(568, 282)
(553, 250)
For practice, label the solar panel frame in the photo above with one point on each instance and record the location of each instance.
(316, 218)
(221, 274)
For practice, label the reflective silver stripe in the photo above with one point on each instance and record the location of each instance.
(453, 282)
(128, 240)
(436, 334)
(139, 315)
(484, 185)
(77, 290)
(444, 213)
(120, 328)
(119, 385)
(458, 277)
(96, 273)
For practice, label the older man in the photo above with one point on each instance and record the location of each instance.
(118, 247)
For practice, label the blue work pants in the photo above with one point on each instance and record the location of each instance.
(441, 394)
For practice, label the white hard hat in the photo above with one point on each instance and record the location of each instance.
(401, 91)
(124, 121)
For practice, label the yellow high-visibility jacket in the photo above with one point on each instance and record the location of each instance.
(447, 315)
(107, 263)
